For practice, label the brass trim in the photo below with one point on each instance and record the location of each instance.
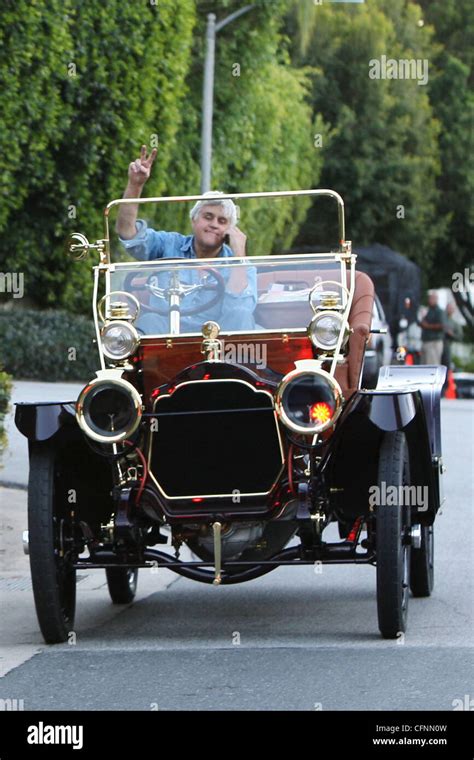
(343, 327)
(300, 371)
(332, 257)
(95, 295)
(318, 286)
(78, 247)
(106, 377)
(220, 495)
(211, 346)
(344, 246)
(112, 293)
(132, 330)
(216, 529)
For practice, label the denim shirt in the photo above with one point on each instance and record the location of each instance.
(149, 244)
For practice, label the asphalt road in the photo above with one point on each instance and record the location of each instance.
(294, 639)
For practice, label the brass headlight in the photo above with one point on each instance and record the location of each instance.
(109, 410)
(308, 401)
(325, 328)
(119, 340)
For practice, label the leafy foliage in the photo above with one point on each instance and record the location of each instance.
(383, 154)
(263, 125)
(5, 391)
(98, 80)
(47, 346)
(85, 83)
(452, 97)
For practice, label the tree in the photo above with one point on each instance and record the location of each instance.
(100, 80)
(383, 154)
(452, 97)
(87, 83)
(263, 132)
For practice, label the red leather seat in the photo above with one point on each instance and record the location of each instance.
(360, 319)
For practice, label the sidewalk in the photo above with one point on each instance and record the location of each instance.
(14, 462)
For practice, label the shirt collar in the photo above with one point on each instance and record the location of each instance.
(187, 245)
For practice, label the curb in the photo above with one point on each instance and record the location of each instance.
(14, 486)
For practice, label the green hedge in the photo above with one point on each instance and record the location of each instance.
(5, 390)
(85, 83)
(47, 345)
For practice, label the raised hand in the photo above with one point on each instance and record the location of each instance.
(237, 241)
(140, 169)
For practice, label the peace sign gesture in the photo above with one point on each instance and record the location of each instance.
(140, 169)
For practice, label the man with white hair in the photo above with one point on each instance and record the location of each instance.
(213, 223)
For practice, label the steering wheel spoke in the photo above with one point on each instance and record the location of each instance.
(158, 292)
(176, 289)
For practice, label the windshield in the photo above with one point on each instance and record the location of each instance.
(242, 295)
(233, 260)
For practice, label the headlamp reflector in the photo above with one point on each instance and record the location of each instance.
(308, 401)
(109, 410)
(325, 329)
(119, 340)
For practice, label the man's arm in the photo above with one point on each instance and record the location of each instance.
(431, 325)
(138, 173)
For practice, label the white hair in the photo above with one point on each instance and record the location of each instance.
(230, 209)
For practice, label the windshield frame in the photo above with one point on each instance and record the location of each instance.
(343, 255)
(344, 246)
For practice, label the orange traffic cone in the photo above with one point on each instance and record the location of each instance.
(451, 389)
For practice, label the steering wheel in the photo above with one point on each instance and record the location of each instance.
(178, 289)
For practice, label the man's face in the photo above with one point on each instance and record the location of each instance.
(432, 299)
(210, 226)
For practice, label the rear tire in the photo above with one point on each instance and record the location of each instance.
(422, 564)
(392, 541)
(52, 575)
(122, 583)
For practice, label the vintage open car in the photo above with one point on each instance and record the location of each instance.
(232, 450)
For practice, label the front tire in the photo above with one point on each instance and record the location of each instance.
(392, 540)
(52, 575)
(122, 583)
(422, 564)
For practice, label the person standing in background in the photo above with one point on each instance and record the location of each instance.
(452, 333)
(432, 335)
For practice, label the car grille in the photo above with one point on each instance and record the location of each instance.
(215, 438)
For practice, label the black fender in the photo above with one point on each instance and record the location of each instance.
(40, 421)
(84, 476)
(428, 380)
(405, 399)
